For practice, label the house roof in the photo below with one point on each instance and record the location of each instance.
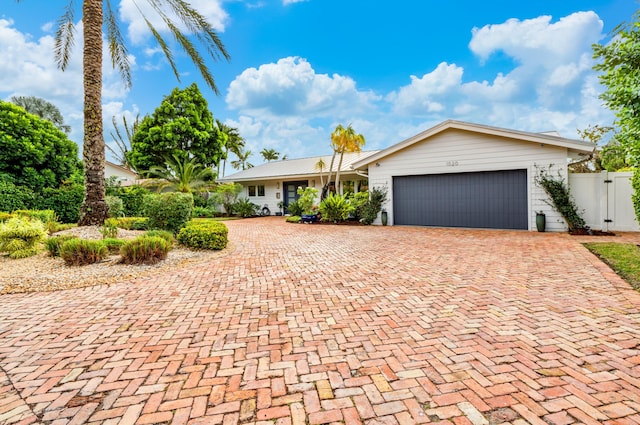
(294, 168)
(549, 138)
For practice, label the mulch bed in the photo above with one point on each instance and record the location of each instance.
(590, 232)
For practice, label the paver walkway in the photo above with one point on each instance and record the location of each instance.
(333, 324)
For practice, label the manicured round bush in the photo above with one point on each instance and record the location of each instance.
(20, 236)
(208, 235)
(80, 252)
(145, 250)
(168, 211)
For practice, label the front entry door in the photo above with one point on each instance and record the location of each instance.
(291, 192)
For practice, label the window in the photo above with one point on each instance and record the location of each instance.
(348, 187)
(252, 190)
(363, 185)
(261, 190)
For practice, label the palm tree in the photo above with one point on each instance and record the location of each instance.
(94, 210)
(123, 145)
(270, 154)
(242, 163)
(349, 141)
(181, 175)
(319, 166)
(234, 144)
(43, 109)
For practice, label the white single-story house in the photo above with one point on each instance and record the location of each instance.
(456, 174)
(273, 182)
(125, 176)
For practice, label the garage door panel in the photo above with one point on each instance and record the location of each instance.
(491, 199)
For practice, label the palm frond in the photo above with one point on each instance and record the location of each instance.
(164, 46)
(117, 47)
(64, 39)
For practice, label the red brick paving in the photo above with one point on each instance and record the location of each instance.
(332, 324)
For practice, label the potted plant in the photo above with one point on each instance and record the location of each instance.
(281, 207)
(306, 199)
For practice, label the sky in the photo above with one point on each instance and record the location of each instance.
(299, 68)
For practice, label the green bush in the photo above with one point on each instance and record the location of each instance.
(635, 197)
(45, 216)
(210, 235)
(4, 216)
(20, 236)
(168, 211)
(65, 201)
(245, 208)
(133, 223)
(59, 227)
(369, 210)
(113, 244)
(116, 206)
(110, 228)
(294, 208)
(358, 200)
(202, 212)
(54, 243)
(294, 219)
(14, 197)
(133, 200)
(145, 250)
(335, 208)
(80, 252)
(164, 234)
(561, 199)
(306, 199)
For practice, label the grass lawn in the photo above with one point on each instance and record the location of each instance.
(623, 258)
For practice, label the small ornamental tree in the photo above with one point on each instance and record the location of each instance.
(183, 127)
(33, 151)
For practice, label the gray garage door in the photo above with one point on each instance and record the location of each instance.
(491, 199)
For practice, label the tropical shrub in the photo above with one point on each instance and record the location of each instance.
(133, 223)
(145, 250)
(227, 194)
(80, 252)
(358, 200)
(110, 228)
(370, 209)
(14, 197)
(209, 235)
(306, 199)
(133, 200)
(47, 217)
(245, 208)
(168, 211)
(560, 199)
(113, 244)
(54, 243)
(20, 236)
(116, 206)
(294, 208)
(164, 234)
(202, 212)
(293, 219)
(335, 208)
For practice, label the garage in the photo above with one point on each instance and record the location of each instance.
(488, 199)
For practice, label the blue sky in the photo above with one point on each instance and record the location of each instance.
(299, 68)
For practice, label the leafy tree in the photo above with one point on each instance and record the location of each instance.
(123, 145)
(43, 109)
(181, 126)
(228, 194)
(94, 208)
(320, 166)
(345, 140)
(34, 152)
(234, 144)
(182, 175)
(270, 154)
(242, 163)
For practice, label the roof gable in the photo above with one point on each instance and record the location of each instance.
(544, 138)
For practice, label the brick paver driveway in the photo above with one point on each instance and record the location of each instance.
(320, 324)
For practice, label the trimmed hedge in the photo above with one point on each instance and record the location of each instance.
(19, 236)
(145, 250)
(209, 235)
(80, 252)
(133, 223)
(54, 243)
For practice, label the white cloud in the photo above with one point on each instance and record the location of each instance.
(132, 12)
(288, 2)
(291, 87)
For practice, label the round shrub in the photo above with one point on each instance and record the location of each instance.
(208, 235)
(145, 250)
(19, 236)
(80, 252)
(116, 207)
(168, 211)
(54, 243)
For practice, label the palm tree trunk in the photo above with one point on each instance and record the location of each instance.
(338, 174)
(94, 209)
(325, 188)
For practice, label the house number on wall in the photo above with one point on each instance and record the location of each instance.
(452, 163)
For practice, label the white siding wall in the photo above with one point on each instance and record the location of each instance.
(456, 151)
(269, 198)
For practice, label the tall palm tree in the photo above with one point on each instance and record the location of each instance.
(349, 141)
(242, 163)
(123, 146)
(97, 14)
(270, 154)
(43, 109)
(319, 166)
(234, 144)
(181, 175)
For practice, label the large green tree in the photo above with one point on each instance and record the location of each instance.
(619, 64)
(33, 151)
(43, 109)
(181, 126)
(96, 16)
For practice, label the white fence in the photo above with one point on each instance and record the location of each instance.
(605, 200)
